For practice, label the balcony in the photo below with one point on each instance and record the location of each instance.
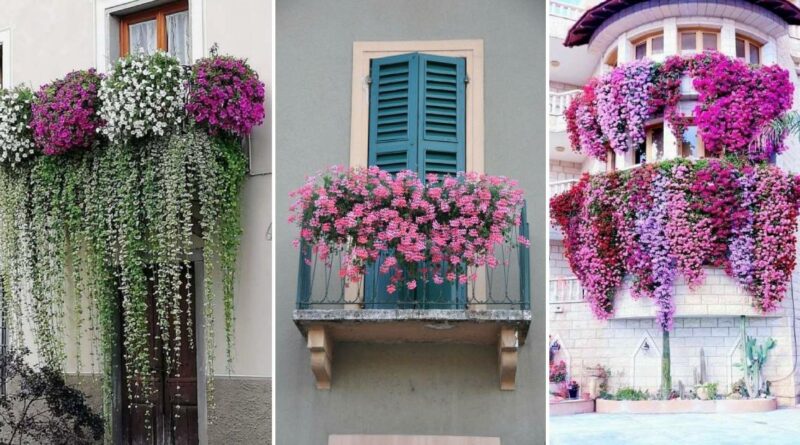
(494, 310)
(554, 189)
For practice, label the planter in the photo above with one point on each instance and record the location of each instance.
(573, 393)
(569, 407)
(685, 406)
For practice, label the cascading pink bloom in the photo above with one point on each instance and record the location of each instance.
(675, 218)
(367, 214)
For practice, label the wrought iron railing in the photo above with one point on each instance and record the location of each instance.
(506, 286)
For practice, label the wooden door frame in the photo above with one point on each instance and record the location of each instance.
(118, 430)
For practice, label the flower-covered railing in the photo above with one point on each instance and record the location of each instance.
(673, 218)
(106, 181)
(381, 241)
(735, 101)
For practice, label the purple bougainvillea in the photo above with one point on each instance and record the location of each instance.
(64, 113)
(735, 101)
(226, 95)
(660, 221)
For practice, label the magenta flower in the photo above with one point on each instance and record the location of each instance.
(226, 95)
(64, 113)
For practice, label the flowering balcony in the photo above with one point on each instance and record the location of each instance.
(344, 294)
(682, 239)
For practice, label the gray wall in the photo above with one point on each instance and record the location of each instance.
(407, 389)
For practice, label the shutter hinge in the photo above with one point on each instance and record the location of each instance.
(368, 80)
(466, 79)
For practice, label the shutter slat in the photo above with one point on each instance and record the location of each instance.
(442, 115)
(393, 112)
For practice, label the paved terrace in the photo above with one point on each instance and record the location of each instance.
(781, 427)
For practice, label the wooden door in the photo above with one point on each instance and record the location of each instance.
(173, 416)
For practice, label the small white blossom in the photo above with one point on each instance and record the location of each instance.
(16, 143)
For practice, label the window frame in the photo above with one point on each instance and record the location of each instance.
(648, 41)
(157, 13)
(749, 43)
(698, 39)
(5, 63)
(650, 154)
(701, 148)
(364, 52)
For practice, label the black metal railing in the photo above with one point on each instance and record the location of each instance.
(506, 286)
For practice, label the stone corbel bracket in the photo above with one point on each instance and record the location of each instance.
(508, 351)
(320, 345)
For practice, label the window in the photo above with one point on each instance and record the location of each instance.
(652, 149)
(649, 47)
(748, 50)
(611, 60)
(417, 122)
(417, 114)
(698, 40)
(5, 59)
(363, 55)
(692, 146)
(163, 28)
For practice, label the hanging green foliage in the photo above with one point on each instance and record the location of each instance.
(116, 227)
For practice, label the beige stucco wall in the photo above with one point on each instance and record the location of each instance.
(52, 37)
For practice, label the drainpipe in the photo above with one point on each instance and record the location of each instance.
(794, 345)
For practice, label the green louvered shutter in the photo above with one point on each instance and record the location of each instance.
(393, 112)
(417, 122)
(442, 115)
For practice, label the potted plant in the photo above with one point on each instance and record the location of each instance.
(573, 389)
(558, 375)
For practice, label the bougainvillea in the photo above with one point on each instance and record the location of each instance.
(367, 213)
(64, 113)
(674, 218)
(558, 372)
(623, 104)
(226, 95)
(16, 141)
(735, 101)
(582, 126)
(142, 96)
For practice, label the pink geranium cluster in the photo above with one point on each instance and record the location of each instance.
(226, 95)
(735, 102)
(64, 113)
(366, 213)
(675, 218)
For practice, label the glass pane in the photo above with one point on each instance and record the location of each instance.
(688, 41)
(740, 48)
(709, 41)
(658, 143)
(641, 51)
(755, 57)
(639, 156)
(142, 37)
(178, 40)
(690, 142)
(658, 45)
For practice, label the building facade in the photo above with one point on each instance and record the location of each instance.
(354, 367)
(42, 41)
(588, 39)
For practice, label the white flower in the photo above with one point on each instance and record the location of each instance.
(16, 143)
(135, 99)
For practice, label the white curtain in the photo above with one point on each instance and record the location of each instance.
(178, 41)
(143, 37)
